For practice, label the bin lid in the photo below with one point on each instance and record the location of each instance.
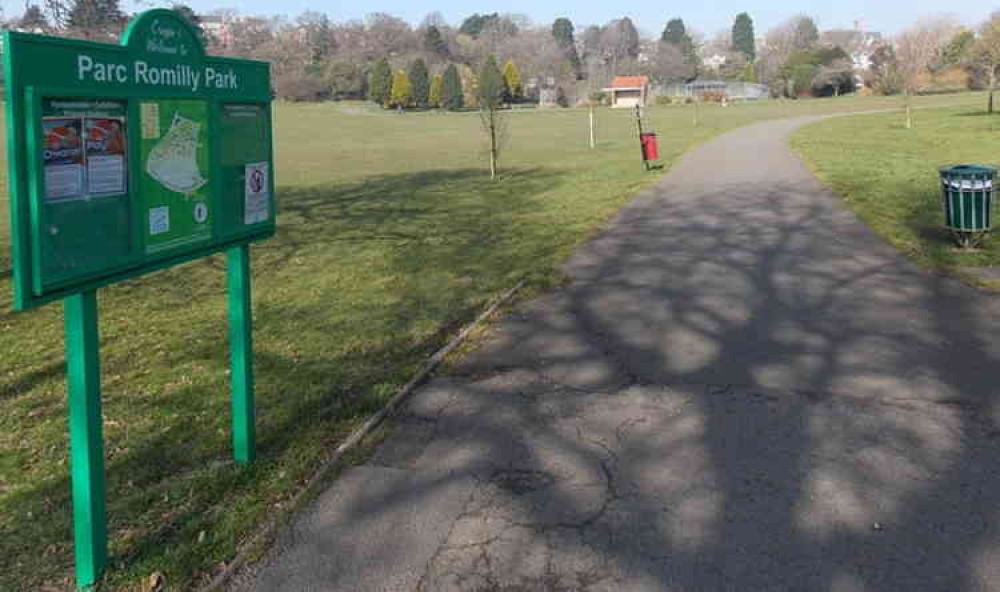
(968, 169)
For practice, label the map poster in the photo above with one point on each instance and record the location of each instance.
(175, 181)
(105, 142)
(63, 159)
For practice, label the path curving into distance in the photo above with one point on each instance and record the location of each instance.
(741, 388)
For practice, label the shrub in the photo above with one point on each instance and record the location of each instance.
(598, 97)
(561, 99)
(713, 96)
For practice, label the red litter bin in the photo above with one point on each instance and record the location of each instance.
(650, 149)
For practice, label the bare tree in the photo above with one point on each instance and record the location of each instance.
(388, 35)
(882, 75)
(619, 41)
(490, 95)
(779, 45)
(669, 65)
(57, 12)
(916, 48)
(986, 54)
(433, 19)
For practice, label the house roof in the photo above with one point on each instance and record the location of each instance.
(629, 81)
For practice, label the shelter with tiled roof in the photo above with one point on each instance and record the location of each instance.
(629, 91)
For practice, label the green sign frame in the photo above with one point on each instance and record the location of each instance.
(126, 159)
(159, 72)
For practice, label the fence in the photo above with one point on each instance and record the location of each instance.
(738, 91)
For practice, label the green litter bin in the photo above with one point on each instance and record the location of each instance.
(967, 195)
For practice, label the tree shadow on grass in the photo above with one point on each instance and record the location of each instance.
(329, 350)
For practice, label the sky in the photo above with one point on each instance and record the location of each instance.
(706, 16)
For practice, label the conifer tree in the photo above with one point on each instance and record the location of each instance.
(512, 76)
(452, 97)
(380, 83)
(420, 81)
(743, 36)
(562, 31)
(676, 34)
(434, 94)
(402, 90)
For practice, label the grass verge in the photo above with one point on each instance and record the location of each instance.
(888, 175)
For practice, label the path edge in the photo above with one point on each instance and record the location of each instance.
(271, 527)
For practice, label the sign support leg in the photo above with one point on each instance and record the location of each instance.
(241, 353)
(85, 436)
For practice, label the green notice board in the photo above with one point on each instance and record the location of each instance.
(129, 158)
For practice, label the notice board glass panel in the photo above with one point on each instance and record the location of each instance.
(82, 202)
(175, 179)
(247, 187)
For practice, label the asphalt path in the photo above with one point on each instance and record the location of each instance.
(740, 388)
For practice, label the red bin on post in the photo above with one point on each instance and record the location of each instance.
(650, 149)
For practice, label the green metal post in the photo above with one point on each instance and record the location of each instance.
(85, 437)
(241, 353)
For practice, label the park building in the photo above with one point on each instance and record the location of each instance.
(628, 91)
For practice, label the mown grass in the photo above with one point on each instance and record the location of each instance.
(391, 236)
(888, 175)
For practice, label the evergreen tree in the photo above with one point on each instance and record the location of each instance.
(474, 25)
(743, 36)
(434, 95)
(380, 84)
(420, 82)
(452, 97)
(434, 43)
(562, 31)
(402, 90)
(676, 34)
(512, 76)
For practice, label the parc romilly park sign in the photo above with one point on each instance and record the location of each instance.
(125, 159)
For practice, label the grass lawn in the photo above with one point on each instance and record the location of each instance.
(391, 236)
(889, 175)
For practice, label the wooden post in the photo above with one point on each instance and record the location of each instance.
(593, 142)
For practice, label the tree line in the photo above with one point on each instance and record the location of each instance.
(436, 65)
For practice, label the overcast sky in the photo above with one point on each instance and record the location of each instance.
(707, 16)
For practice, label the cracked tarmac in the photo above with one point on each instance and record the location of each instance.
(741, 388)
